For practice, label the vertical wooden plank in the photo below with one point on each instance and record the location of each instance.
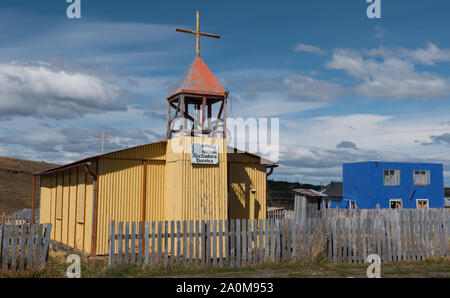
(233, 244)
(6, 240)
(48, 230)
(401, 236)
(408, 234)
(140, 242)
(345, 239)
(308, 237)
(342, 231)
(238, 242)
(334, 230)
(387, 229)
(227, 243)
(37, 252)
(289, 240)
(203, 241)
(119, 244)
(249, 242)
(153, 251)
(133, 242)
(191, 242)
(261, 241)
(255, 241)
(214, 243)
(208, 242)
(413, 234)
(221, 243)
(364, 238)
(393, 227)
(244, 242)
(23, 243)
(15, 237)
(359, 258)
(166, 243)
(184, 245)
(172, 243)
(31, 245)
(266, 240)
(294, 239)
(353, 233)
(159, 249)
(197, 240)
(147, 241)
(127, 243)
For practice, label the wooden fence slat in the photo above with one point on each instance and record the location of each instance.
(244, 241)
(126, 252)
(261, 241)
(37, 252)
(203, 241)
(159, 240)
(221, 243)
(133, 242)
(46, 241)
(23, 243)
(140, 242)
(255, 241)
(31, 245)
(184, 245)
(232, 237)
(227, 243)
(147, 241)
(119, 245)
(191, 242)
(5, 254)
(197, 240)
(249, 241)
(266, 240)
(238, 242)
(14, 246)
(208, 242)
(166, 243)
(214, 243)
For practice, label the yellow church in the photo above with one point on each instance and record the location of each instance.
(192, 175)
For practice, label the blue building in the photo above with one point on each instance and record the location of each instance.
(391, 185)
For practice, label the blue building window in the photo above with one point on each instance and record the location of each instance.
(421, 177)
(391, 177)
(395, 203)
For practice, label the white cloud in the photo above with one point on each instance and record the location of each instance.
(42, 90)
(395, 77)
(301, 47)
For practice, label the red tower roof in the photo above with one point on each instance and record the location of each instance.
(198, 79)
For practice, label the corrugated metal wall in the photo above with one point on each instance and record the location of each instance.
(121, 186)
(195, 191)
(175, 190)
(247, 186)
(61, 194)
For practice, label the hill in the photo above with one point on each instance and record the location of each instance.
(279, 193)
(16, 182)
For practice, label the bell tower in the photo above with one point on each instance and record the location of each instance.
(197, 104)
(196, 155)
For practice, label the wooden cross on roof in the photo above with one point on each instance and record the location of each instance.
(198, 33)
(103, 137)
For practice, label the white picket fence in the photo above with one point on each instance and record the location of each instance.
(394, 235)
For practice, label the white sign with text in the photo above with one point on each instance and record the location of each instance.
(207, 154)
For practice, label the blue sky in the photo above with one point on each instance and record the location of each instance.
(345, 87)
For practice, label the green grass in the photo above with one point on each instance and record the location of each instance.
(317, 267)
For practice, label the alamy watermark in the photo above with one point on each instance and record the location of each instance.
(374, 270)
(74, 9)
(374, 9)
(251, 135)
(74, 269)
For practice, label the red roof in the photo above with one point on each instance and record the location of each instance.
(198, 79)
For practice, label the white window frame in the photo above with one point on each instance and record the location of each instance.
(427, 177)
(396, 183)
(426, 200)
(350, 204)
(396, 200)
